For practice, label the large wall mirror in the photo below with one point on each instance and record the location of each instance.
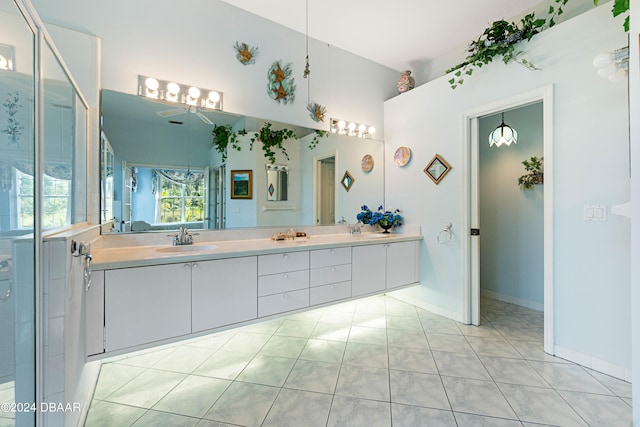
(160, 170)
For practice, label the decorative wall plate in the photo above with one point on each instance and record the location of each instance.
(367, 163)
(245, 54)
(402, 156)
(281, 86)
(437, 169)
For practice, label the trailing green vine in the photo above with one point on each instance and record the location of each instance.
(500, 39)
(619, 7)
(316, 138)
(223, 136)
(272, 140)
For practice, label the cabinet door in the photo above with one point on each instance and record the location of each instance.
(147, 304)
(368, 271)
(402, 264)
(224, 292)
(94, 315)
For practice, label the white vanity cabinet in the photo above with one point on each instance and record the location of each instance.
(330, 275)
(146, 304)
(380, 267)
(283, 282)
(94, 315)
(224, 292)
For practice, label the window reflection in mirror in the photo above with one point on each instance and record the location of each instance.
(153, 135)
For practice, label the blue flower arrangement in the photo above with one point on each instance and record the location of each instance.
(385, 219)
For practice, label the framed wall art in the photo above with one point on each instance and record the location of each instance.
(242, 184)
(437, 169)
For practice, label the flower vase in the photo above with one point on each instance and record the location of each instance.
(386, 228)
(406, 82)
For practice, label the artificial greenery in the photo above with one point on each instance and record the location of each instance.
(500, 39)
(272, 140)
(534, 167)
(223, 136)
(619, 7)
(384, 218)
(13, 128)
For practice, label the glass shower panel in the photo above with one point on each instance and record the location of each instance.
(17, 278)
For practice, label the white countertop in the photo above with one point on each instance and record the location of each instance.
(136, 256)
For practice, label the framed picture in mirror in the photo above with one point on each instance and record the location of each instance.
(242, 184)
(437, 169)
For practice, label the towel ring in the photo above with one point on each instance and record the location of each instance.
(445, 235)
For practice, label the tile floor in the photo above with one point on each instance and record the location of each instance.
(372, 362)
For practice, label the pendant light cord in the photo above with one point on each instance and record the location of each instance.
(307, 70)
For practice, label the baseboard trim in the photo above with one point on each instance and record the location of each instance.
(512, 300)
(608, 368)
(426, 306)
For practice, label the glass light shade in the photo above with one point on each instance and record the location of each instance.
(607, 71)
(503, 135)
(352, 126)
(618, 75)
(372, 130)
(4, 63)
(362, 128)
(602, 60)
(342, 124)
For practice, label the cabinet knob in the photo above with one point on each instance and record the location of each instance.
(333, 251)
(285, 256)
(285, 296)
(333, 286)
(333, 269)
(187, 266)
(285, 276)
(195, 265)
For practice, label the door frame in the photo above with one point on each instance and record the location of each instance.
(470, 214)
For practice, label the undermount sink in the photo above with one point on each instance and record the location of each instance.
(186, 248)
(373, 235)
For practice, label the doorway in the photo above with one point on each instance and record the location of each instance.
(325, 211)
(471, 245)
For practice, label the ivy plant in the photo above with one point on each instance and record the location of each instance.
(223, 136)
(272, 140)
(534, 175)
(500, 39)
(619, 7)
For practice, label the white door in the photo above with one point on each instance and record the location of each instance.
(325, 191)
(206, 223)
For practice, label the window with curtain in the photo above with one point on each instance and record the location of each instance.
(180, 197)
(57, 201)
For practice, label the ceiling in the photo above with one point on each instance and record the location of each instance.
(400, 35)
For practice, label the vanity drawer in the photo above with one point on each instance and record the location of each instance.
(282, 282)
(282, 263)
(333, 274)
(328, 257)
(280, 303)
(328, 293)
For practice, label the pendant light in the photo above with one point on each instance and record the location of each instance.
(503, 134)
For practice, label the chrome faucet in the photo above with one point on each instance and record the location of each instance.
(183, 237)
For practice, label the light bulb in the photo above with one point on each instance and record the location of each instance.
(151, 84)
(214, 96)
(607, 71)
(602, 60)
(4, 63)
(341, 124)
(194, 92)
(362, 128)
(618, 76)
(352, 126)
(173, 88)
(372, 130)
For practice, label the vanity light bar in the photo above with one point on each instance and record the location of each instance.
(163, 90)
(342, 127)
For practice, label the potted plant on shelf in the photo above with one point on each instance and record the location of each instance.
(384, 218)
(534, 167)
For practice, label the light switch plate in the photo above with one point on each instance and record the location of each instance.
(595, 212)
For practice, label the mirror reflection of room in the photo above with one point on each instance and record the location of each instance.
(165, 172)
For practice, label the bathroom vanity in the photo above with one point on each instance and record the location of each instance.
(146, 295)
